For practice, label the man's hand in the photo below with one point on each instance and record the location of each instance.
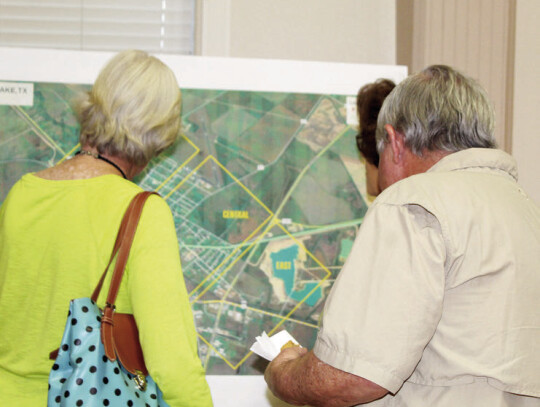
(299, 377)
(275, 370)
(289, 353)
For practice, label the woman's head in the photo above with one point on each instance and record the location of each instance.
(368, 103)
(133, 110)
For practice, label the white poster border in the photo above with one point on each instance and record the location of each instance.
(196, 72)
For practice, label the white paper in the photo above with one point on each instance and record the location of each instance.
(269, 347)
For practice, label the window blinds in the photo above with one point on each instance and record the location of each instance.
(165, 26)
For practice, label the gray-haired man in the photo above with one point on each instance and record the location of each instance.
(438, 303)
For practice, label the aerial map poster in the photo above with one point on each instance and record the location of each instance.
(266, 188)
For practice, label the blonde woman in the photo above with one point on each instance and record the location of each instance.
(57, 229)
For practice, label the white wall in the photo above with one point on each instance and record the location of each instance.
(526, 117)
(359, 31)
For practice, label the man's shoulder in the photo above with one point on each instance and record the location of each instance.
(414, 189)
(439, 193)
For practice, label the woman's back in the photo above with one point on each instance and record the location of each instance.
(55, 240)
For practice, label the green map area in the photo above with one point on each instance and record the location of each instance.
(267, 192)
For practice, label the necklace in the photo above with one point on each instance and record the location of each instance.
(100, 157)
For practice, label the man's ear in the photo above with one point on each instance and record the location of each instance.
(396, 142)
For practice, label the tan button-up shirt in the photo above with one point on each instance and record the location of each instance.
(439, 300)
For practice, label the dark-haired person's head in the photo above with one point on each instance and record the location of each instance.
(368, 103)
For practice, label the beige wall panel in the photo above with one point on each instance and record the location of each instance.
(448, 29)
(483, 61)
(213, 36)
(526, 121)
(471, 36)
(404, 32)
(357, 31)
(420, 33)
(472, 42)
(461, 33)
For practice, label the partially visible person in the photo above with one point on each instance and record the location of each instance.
(58, 227)
(368, 104)
(437, 304)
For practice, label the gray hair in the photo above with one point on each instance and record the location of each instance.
(133, 110)
(438, 109)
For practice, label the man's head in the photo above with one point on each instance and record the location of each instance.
(431, 114)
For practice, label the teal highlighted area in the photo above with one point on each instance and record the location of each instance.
(346, 247)
(284, 268)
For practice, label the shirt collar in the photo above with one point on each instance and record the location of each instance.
(487, 158)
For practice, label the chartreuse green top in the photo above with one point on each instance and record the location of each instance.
(55, 240)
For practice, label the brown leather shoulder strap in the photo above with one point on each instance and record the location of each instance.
(125, 244)
(134, 206)
(126, 235)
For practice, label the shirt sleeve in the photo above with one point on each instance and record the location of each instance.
(162, 310)
(387, 300)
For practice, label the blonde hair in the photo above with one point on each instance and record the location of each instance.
(133, 110)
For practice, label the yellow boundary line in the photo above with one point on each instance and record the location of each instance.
(283, 318)
(197, 150)
(328, 274)
(242, 185)
(70, 152)
(230, 265)
(186, 178)
(208, 158)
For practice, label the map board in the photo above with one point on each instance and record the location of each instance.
(266, 186)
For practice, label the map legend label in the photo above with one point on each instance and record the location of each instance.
(16, 94)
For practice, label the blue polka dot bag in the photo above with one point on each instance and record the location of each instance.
(100, 362)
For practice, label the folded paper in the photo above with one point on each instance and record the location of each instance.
(269, 347)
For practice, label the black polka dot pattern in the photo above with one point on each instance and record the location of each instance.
(83, 376)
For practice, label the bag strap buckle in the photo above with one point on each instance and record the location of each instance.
(140, 380)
